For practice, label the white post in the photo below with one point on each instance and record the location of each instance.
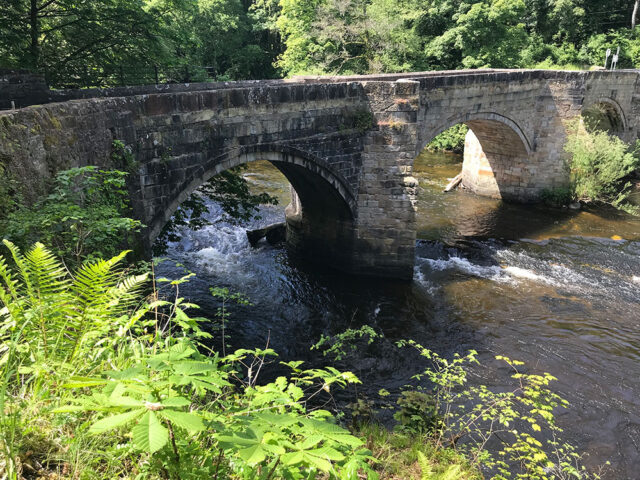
(614, 63)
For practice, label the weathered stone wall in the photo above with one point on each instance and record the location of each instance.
(347, 145)
(21, 88)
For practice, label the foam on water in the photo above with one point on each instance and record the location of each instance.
(420, 278)
(527, 274)
(222, 251)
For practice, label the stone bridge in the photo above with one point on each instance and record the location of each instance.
(346, 144)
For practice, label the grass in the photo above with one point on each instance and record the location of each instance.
(402, 456)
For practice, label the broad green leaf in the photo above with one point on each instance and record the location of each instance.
(332, 432)
(317, 461)
(250, 446)
(327, 453)
(82, 382)
(253, 454)
(189, 421)
(175, 402)
(114, 421)
(149, 435)
(280, 420)
(69, 408)
(306, 457)
(193, 368)
(310, 442)
(293, 458)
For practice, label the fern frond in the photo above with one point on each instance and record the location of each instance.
(425, 467)
(21, 263)
(452, 473)
(94, 280)
(46, 272)
(9, 291)
(127, 292)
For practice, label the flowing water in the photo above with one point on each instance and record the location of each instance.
(558, 289)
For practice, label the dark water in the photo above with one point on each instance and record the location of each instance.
(557, 289)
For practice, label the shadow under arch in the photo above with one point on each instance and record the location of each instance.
(496, 155)
(323, 205)
(604, 113)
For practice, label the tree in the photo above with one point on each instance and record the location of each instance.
(67, 38)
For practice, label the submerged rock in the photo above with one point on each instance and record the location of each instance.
(274, 234)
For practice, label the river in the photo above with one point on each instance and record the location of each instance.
(555, 288)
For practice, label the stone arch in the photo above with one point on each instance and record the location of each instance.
(496, 155)
(318, 187)
(505, 125)
(606, 114)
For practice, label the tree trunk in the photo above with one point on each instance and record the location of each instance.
(635, 14)
(34, 30)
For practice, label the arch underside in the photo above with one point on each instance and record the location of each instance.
(325, 198)
(496, 157)
(605, 114)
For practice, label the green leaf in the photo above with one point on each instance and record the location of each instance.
(114, 421)
(189, 421)
(308, 457)
(175, 402)
(193, 367)
(276, 419)
(69, 409)
(82, 382)
(250, 446)
(149, 435)
(332, 432)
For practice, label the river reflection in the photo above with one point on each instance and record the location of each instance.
(549, 287)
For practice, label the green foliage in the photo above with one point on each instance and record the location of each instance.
(471, 416)
(369, 36)
(451, 140)
(557, 197)
(122, 386)
(406, 456)
(230, 190)
(104, 42)
(600, 165)
(454, 417)
(363, 121)
(85, 217)
(451, 473)
(8, 193)
(417, 413)
(60, 315)
(122, 157)
(488, 34)
(338, 346)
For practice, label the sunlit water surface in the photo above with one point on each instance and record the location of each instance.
(557, 289)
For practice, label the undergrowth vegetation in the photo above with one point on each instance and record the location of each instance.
(506, 433)
(101, 381)
(601, 167)
(87, 215)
